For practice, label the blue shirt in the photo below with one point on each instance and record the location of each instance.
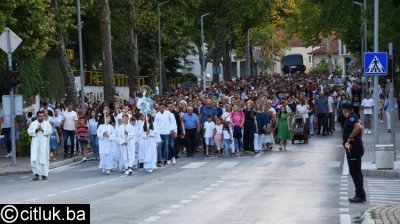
(208, 110)
(190, 121)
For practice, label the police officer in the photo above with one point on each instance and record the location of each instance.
(352, 141)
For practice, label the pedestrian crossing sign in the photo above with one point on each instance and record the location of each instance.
(375, 63)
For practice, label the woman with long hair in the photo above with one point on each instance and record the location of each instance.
(283, 128)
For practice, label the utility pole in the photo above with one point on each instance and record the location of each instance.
(203, 65)
(159, 45)
(376, 95)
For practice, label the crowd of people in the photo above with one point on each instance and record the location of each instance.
(231, 118)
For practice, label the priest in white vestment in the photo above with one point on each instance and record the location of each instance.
(40, 131)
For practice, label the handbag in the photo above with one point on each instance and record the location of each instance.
(268, 129)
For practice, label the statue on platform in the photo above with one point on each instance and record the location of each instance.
(145, 104)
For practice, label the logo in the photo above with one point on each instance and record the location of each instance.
(9, 214)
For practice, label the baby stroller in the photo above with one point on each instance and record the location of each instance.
(298, 129)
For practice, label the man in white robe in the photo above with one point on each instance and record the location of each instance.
(127, 139)
(40, 131)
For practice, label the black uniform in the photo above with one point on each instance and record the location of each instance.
(354, 154)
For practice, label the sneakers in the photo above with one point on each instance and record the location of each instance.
(369, 132)
(381, 121)
(128, 172)
(8, 155)
(169, 162)
(84, 159)
(173, 160)
(108, 172)
(150, 171)
(366, 131)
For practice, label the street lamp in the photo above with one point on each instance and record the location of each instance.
(364, 42)
(202, 52)
(78, 9)
(159, 44)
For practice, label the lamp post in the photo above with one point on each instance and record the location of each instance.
(202, 52)
(364, 42)
(159, 44)
(376, 97)
(78, 9)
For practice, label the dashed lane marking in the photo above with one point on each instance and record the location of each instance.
(185, 201)
(193, 196)
(165, 212)
(50, 195)
(194, 165)
(343, 210)
(176, 206)
(152, 219)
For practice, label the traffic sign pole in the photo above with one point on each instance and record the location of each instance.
(376, 96)
(12, 112)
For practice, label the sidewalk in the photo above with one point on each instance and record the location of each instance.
(24, 163)
(385, 214)
(368, 165)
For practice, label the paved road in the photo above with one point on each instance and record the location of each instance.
(301, 185)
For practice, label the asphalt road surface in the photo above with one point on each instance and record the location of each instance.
(301, 185)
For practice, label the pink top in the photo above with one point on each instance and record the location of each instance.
(237, 118)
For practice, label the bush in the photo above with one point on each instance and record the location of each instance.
(24, 144)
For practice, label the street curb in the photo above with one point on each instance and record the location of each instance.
(366, 217)
(52, 165)
(381, 173)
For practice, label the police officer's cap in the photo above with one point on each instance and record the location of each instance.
(347, 105)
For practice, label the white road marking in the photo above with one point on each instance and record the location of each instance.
(214, 185)
(343, 198)
(194, 165)
(176, 206)
(343, 193)
(102, 182)
(343, 180)
(202, 192)
(90, 185)
(344, 203)
(344, 185)
(185, 201)
(227, 164)
(343, 210)
(152, 219)
(344, 188)
(220, 181)
(193, 196)
(24, 177)
(345, 219)
(76, 189)
(33, 199)
(165, 212)
(66, 191)
(112, 179)
(208, 189)
(345, 171)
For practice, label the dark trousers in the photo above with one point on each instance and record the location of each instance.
(71, 135)
(7, 138)
(190, 139)
(331, 121)
(172, 147)
(323, 120)
(356, 174)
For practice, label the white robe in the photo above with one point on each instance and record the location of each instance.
(140, 153)
(148, 144)
(40, 147)
(105, 146)
(127, 151)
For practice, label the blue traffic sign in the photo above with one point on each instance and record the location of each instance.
(375, 63)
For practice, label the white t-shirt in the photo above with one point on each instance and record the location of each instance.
(330, 104)
(226, 116)
(303, 110)
(208, 129)
(367, 103)
(69, 120)
(226, 134)
(218, 129)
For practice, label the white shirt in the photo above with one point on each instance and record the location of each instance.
(367, 103)
(226, 134)
(69, 118)
(226, 117)
(303, 110)
(330, 104)
(57, 120)
(208, 129)
(165, 122)
(218, 129)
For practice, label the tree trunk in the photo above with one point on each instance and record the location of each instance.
(328, 51)
(133, 49)
(107, 62)
(227, 63)
(66, 69)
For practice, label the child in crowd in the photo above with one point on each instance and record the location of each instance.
(227, 135)
(209, 126)
(54, 141)
(83, 136)
(218, 136)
